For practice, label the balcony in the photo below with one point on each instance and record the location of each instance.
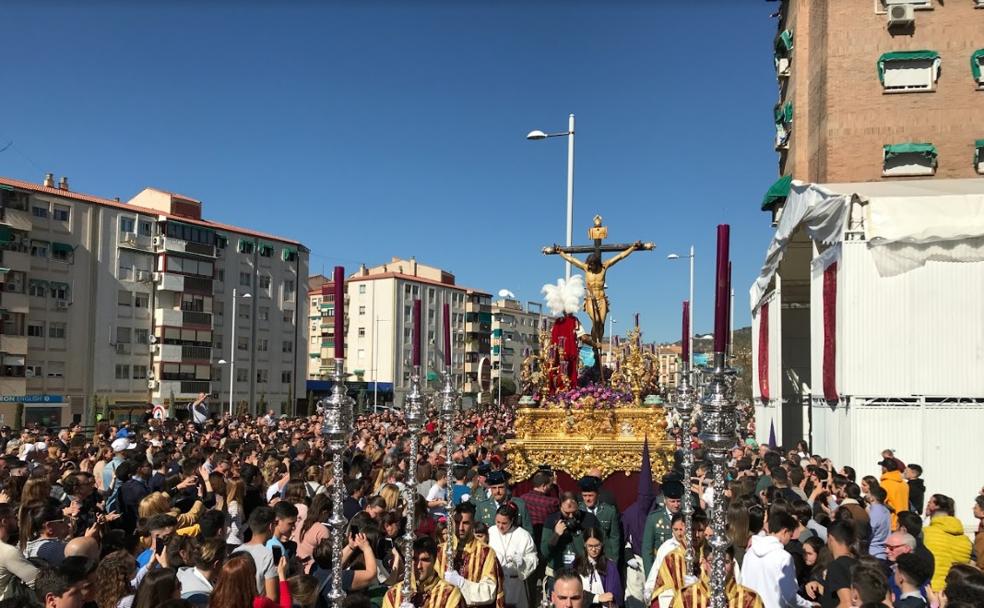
(478, 307)
(171, 317)
(174, 244)
(169, 281)
(182, 389)
(17, 219)
(16, 260)
(198, 285)
(136, 241)
(477, 327)
(200, 353)
(190, 317)
(14, 302)
(13, 345)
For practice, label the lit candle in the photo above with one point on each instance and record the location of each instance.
(447, 336)
(721, 296)
(339, 286)
(686, 332)
(416, 332)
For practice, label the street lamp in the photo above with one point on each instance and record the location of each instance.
(690, 328)
(232, 349)
(537, 135)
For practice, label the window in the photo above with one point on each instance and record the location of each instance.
(39, 249)
(246, 246)
(145, 228)
(285, 377)
(140, 300)
(122, 371)
(246, 279)
(33, 371)
(59, 291)
(35, 329)
(979, 155)
(263, 313)
(266, 251)
(262, 345)
(362, 288)
(362, 332)
(242, 375)
(126, 224)
(907, 71)
(61, 213)
(288, 346)
(244, 312)
(37, 288)
(141, 336)
(288, 316)
(783, 52)
(189, 233)
(122, 335)
(41, 212)
(56, 330)
(56, 369)
(784, 124)
(361, 353)
(289, 255)
(62, 252)
(124, 298)
(288, 291)
(201, 268)
(261, 376)
(264, 280)
(909, 159)
(139, 372)
(218, 341)
(221, 242)
(242, 343)
(362, 310)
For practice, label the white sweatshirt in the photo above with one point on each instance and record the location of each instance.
(768, 570)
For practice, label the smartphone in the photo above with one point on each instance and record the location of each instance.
(277, 554)
(161, 544)
(353, 531)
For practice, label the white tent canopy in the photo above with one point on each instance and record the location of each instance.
(905, 223)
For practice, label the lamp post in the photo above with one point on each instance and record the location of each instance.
(536, 135)
(232, 349)
(690, 329)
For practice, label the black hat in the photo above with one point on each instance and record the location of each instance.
(545, 468)
(495, 478)
(672, 489)
(889, 464)
(589, 483)
(484, 469)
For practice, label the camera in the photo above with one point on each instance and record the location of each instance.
(573, 523)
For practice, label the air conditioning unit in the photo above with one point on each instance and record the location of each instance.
(158, 241)
(152, 384)
(152, 348)
(61, 304)
(901, 14)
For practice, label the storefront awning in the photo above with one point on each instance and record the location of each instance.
(976, 58)
(777, 192)
(893, 150)
(903, 56)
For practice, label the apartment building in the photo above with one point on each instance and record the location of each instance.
(109, 306)
(515, 335)
(320, 331)
(379, 329)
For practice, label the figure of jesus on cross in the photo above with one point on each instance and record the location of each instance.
(596, 302)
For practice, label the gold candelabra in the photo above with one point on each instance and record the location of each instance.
(636, 371)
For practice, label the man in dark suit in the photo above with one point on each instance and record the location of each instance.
(910, 571)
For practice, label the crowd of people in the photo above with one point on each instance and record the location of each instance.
(235, 513)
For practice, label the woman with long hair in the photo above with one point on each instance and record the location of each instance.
(236, 585)
(114, 574)
(868, 482)
(599, 575)
(157, 587)
(816, 556)
(235, 492)
(314, 529)
(391, 494)
(738, 527)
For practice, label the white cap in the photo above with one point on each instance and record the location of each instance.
(122, 444)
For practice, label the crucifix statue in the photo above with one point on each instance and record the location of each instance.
(596, 302)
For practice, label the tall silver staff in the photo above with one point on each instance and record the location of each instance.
(719, 419)
(449, 402)
(337, 428)
(413, 416)
(684, 407)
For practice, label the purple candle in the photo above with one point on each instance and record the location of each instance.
(447, 336)
(686, 331)
(416, 332)
(637, 320)
(721, 296)
(616, 341)
(339, 287)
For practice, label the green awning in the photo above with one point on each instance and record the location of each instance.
(314, 355)
(902, 56)
(496, 333)
(976, 59)
(4, 270)
(927, 150)
(777, 192)
(6, 234)
(265, 248)
(978, 151)
(62, 248)
(484, 317)
(784, 113)
(288, 254)
(6, 187)
(243, 243)
(40, 282)
(784, 43)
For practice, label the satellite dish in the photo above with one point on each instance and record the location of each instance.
(505, 293)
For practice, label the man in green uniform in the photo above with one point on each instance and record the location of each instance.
(607, 515)
(499, 495)
(658, 529)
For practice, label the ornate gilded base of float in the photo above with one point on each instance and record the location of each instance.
(578, 440)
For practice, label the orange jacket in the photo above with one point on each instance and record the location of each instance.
(898, 494)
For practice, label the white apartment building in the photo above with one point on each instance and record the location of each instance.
(515, 335)
(109, 306)
(379, 329)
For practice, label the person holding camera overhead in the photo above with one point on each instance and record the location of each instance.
(563, 539)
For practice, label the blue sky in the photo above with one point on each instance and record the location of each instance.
(371, 129)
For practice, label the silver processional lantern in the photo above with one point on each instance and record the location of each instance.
(337, 428)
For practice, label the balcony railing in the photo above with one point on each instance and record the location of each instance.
(196, 352)
(196, 386)
(196, 318)
(200, 249)
(198, 285)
